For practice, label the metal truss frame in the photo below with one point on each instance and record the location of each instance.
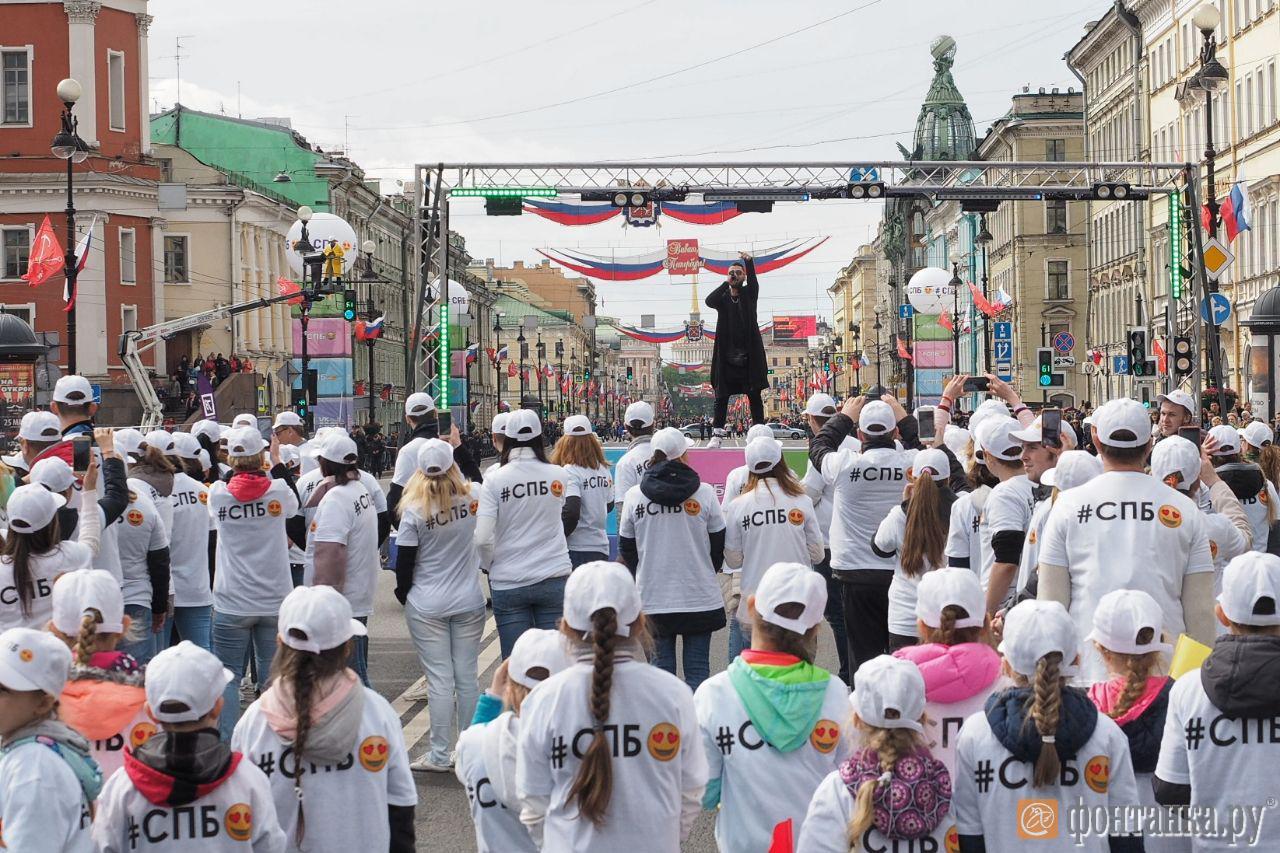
(967, 179)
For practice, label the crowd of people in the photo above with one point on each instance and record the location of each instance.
(1006, 600)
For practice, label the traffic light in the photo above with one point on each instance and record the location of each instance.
(1138, 351)
(1184, 359)
(629, 373)
(559, 349)
(586, 374)
(1044, 359)
(349, 305)
(299, 402)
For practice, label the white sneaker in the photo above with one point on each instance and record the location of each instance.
(417, 694)
(426, 765)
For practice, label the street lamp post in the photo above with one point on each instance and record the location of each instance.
(855, 357)
(520, 339)
(956, 284)
(367, 248)
(984, 240)
(878, 327)
(304, 247)
(542, 377)
(67, 145)
(497, 362)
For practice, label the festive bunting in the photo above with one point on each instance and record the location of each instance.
(611, 268)
(591, 213)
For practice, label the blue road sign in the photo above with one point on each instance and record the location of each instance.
(1064, 342)
(1121, 364)
(1004, 350)
(1003, 331)
(1004, 371)
(905, 311)
(1221, 309)
(864, 175)
(97, 393)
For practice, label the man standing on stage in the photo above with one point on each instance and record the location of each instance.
(737, 361)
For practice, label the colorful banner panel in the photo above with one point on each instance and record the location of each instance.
(794, 328)
(333, 376)
(933, 354)
(17, 395)
(326, 337)
(334, 411)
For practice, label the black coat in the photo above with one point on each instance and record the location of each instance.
(738, 329)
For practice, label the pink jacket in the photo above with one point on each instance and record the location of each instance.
(953, 673)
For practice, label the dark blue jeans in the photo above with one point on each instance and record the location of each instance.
(515, 611)
(695, 658)
(580, 557)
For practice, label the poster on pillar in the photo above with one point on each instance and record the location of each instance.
(326, 338)
(334, 411)
(17, 396)
(333, 376)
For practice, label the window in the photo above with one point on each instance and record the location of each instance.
(115, 88)
(16, 82)
(788, 361)
(1055, 150)
(1059, 288)
(128, 256)
(166, 169)
(25, 313)
(176, 260)
(1055, 216)
(128, 318)
(17, 245)
(1271, 93)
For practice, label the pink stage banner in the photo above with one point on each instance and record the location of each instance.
(326, 337)
(933, 353)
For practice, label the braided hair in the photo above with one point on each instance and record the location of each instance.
(1136, 669)
(82, 651)
(947, 633)
(889, 745)
(593, 786)
(1046, 709)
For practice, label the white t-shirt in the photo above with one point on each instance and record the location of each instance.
(657, 756)
(1230, 764)
(733, 483)
(446, 576)
(108, 559)
(306, 486)
(674, 573)
(252, 572)
(189, 543)
(760, 786)
(1124, 530)
(345, 803)
(630, 468)
(525, 497)
(1030, 561)
(43, 570)
(406, 462)
(826, 826)
(902, 589)
(969, 537)
(595, 486)
(1257, 509)
(346, 516)
(867, 485)
(768, 526)
(42, 808)
(498, 828)
(824, 493)
(141, 532)
(237, 815)
(1010, 507)
(992, 794)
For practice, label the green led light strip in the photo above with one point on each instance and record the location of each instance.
(504, 192)
(442, 399)
(1175, 247)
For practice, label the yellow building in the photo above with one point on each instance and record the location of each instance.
(860, 289)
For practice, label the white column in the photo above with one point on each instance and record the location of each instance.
(92, 344)
(144, 86)
(154, 273)
(82, 15)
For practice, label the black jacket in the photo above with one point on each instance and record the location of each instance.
(1245, 479)
(737, 330)
(1144, 733)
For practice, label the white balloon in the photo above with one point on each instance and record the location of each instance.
(930, 291)
(322, 228)
(459, 301)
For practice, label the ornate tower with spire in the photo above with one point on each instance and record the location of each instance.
(944, 128)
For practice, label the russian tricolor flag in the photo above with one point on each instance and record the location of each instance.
(1235, 212)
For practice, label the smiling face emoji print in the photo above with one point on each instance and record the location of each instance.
(134, 516)
(692, 507)
(373, 753)
(239, 822)
(274, 509)
(1097, 773)
(796, 517)
(664, 741)
(825, 736)
(557, 488)
(140, 734)
(1169, 516)
(474, 507)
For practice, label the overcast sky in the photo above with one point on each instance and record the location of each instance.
(399, 83)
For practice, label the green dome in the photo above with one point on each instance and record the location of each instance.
(944, 129)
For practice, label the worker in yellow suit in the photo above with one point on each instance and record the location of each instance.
(333, 255)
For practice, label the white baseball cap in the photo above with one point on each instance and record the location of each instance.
(76, 593)
(1074, 468)
(1176, 462)
(523, 425)
(499, 425)
(53, 473)
(288, 418)
(759, 431)
(40, 426)
(934, 461)
(160, 439)
(187, 446)
(127, 441)
(1122, 423)
(1246, 579)
(537, 648)
(884, 684)
(73, 389)
(941, 588)
(206, 427)
(321, 615)
(596, 585)
(244, 419)
(821, 405)
(1256, 433)
(435, 457)
(188, 676)
(639, 411)
(671, 441)
(224, 432)
(1228, 440)
(956, 439)
(33, 660)
(1178, 398)
(791, 583)
(1119, 617)
(339, 448)
(245, 441)
(578, 425)
(289, 455)
(987, 409)
(876, 418)
(995, 438)
(418, 404)
(1033, 629)
(205, 461)
(763, 455)
(32, 507)
(1034, 434)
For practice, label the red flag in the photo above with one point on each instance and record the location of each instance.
(1206, 218)
(1097, 356)
(511, 368)
(46, 259)
(902, 350)
(285, 286)
(783, 840)
(981, 302)
(944, 320)
(492, 357)
(1162, 357)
